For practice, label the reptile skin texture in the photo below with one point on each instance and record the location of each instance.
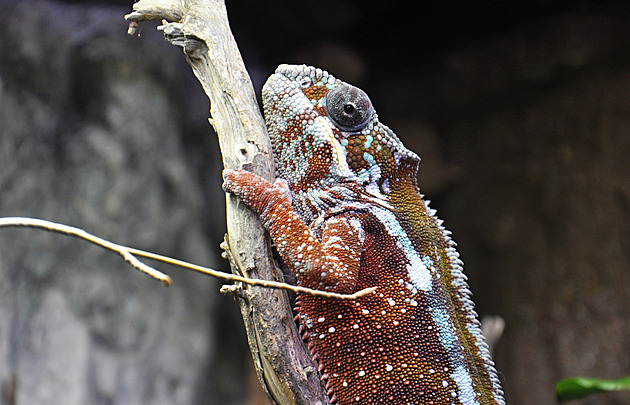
(346, 214)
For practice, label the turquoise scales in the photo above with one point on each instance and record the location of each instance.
(346, 214)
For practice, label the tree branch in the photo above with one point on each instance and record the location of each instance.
(201, 29)
(130, 255)
(125, 252)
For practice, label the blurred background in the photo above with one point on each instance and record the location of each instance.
(519, 110)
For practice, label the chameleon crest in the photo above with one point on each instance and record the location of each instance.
(352, 218)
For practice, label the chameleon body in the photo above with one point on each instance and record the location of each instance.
(346, 214)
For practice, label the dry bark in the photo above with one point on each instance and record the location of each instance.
(283, 364)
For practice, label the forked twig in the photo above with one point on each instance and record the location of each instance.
(123, 251)
(129, 254)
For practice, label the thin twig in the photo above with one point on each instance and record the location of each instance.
(80, 233)
(129, 254)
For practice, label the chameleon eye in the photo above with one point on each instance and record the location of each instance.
(349, 108)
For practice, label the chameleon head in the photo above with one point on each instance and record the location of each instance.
(325, 132)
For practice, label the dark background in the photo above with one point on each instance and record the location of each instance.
(520, 112)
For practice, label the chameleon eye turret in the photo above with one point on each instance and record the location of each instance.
(349, 108)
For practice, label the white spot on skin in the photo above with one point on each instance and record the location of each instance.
(389, 367)
(361, 373)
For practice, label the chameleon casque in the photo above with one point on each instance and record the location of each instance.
(346, 214)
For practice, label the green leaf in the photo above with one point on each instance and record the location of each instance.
(573, 388)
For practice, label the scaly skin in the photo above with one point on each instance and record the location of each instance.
(346, 214)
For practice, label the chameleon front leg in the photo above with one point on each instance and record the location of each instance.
(329, 262)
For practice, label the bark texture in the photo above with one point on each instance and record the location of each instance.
(283, 364)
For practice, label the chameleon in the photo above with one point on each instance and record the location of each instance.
(345, 213)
